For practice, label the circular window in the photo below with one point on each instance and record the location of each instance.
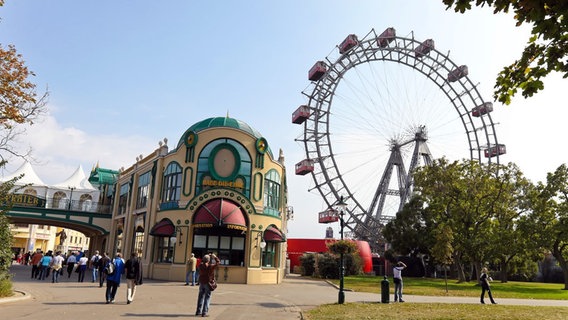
(224, 162)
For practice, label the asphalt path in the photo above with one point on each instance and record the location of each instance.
(160, 299)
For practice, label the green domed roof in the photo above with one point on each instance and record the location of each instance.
(220, 122)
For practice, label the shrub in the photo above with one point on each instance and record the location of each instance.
(308, 262)
(5, 287)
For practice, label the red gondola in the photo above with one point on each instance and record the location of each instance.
(386, 37)
(304, 167)
(328, 216)
(457, 73)
(301, 114)
(317, 71)
(348, 43)
(482, 109)
(424, 48)
(495, 150)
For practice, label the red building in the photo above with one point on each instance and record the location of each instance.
(297, 247)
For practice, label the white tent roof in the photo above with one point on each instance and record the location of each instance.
(30, 177)
(77, 181)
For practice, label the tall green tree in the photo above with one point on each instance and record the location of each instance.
(550, 216)
(513, 191)
(546, 50)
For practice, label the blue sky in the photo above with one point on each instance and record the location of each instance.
(123, 75)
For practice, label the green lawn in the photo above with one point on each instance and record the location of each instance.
(437, 287)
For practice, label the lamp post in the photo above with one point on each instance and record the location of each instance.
(71, 197)
(341, 296)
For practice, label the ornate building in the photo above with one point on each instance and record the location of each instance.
(219, 190)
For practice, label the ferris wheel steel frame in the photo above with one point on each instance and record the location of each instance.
(435, 65)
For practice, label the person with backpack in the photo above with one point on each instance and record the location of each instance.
(133, 276)
(95, 265)
(114, 270)
(102, 264)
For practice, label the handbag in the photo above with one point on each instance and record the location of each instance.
(212, 284)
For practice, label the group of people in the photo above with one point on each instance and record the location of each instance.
(484, 281)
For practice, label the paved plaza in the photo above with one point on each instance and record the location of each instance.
(159, 299)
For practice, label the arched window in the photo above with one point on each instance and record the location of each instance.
(272, 193)
(85, 202)
(31, 192)
(59, 200)
(171, 190)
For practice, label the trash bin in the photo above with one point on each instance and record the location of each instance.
(385, 290)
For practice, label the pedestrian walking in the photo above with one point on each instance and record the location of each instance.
(82, 268)
(191, 266)
(206, 274)
(484, 280)
(113, 277)
(397, 278)
(94, 264)
(133, 276)
(56, 265)
(44, 263)
(35, 262)
(71, 261)
(102, 263)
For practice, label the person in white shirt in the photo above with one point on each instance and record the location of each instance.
(397, 276)
(56, 265)
(82, 267)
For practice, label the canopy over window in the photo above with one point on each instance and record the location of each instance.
(164, 228)
(273, 234)
(220, 213)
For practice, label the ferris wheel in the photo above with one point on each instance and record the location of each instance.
(376, 109)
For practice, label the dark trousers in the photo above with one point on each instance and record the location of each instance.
(35, 271)
(102, 277)
(70, 269)
(488, 289)
(111, 289)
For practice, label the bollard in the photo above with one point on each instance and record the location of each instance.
(385, 290)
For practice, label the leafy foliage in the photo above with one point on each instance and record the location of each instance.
(546, 50)
(5, 235)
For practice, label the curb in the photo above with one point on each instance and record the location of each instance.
(18, 296)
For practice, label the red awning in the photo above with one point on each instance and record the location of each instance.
(273, 234)
(220, 213)
(164, 228)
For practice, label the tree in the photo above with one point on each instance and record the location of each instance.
(442, 250)
(550, 216)
(5, 237)
(546, 50)
(19, 102)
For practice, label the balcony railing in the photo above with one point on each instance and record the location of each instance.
(74, 205)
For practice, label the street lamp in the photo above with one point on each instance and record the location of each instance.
(71, 197)
(341, 206)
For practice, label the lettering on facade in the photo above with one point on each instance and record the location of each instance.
(217, 183)
(236, 227)
(27, 200)
(203, 225)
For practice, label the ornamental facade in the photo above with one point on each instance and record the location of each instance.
(219, 190)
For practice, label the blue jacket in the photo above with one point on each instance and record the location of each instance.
(118, 271)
